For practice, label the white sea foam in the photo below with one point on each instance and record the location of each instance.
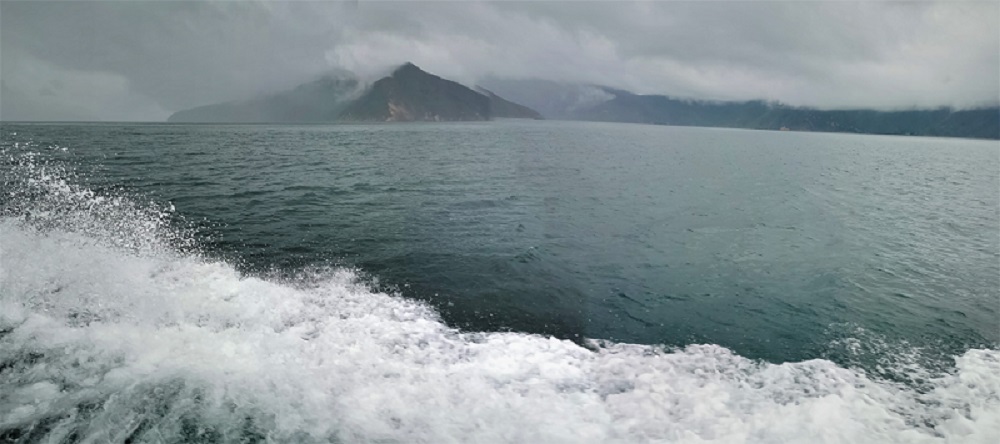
(104, 342)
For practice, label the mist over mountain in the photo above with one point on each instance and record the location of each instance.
(408, 94)
(141, 61)
(412, 94)
(321, 100)
(554, 100)
(597, 103)
(500, 107)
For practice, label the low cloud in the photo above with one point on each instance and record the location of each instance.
(141, 60)
(38, 90)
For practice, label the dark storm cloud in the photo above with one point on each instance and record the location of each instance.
(143, 60)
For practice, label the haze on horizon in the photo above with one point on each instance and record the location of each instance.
(124, 61)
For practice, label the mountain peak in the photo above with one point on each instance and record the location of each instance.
(407, 68)
(408, 94)
(412, 94)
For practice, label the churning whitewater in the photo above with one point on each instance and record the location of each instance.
(113, 328)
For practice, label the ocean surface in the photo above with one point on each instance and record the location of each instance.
(496, 282)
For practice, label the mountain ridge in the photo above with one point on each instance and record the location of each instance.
(412, 94)
(600, 103)
(295, 105)
(407, 94)
(500, 107)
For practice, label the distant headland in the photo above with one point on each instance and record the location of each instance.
(412, 94)
(408, 94)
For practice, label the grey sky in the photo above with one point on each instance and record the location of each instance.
(116, 60)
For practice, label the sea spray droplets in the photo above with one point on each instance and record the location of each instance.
(45, 194)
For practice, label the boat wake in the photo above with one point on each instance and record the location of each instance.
(113, 328)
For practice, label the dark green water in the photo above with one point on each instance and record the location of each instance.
(781, 247)
(766, 243)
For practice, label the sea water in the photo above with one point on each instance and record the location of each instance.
(496, 282)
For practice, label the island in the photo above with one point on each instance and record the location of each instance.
(408, 94)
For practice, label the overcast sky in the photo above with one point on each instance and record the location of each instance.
(117, 60)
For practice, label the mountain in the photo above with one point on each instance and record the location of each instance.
(981, 123)
(554, 100)
(411, 94)
(500, 107)
(321, 100)
(408, 94)
(597, 103)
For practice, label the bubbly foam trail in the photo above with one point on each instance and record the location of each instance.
(104, 341)
(105, 345)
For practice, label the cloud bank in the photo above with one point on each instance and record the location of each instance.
(111, 60)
